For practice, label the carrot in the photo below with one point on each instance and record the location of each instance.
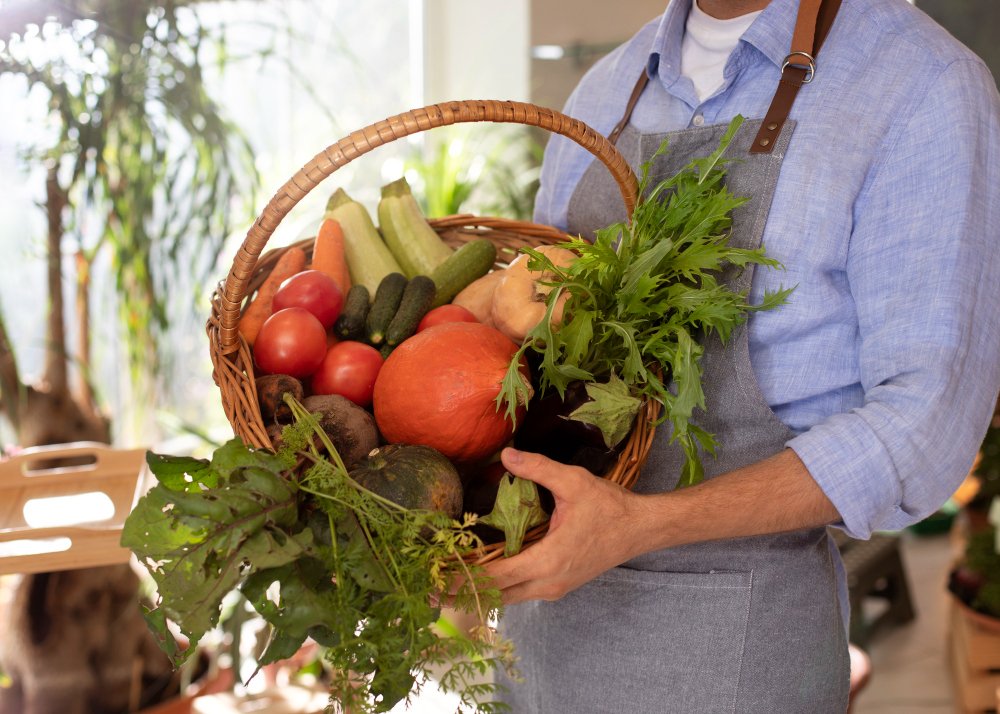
(328, 254)
(291, 262)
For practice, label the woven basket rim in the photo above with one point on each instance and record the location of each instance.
(233, 290)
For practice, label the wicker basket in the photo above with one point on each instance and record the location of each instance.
(231, 356)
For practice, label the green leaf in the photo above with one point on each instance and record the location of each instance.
(577, 335)
(687, 377)
(234, 455)
(156, 620)
(515, 390)
(612, 410)
(280, 645)
(517, 509)
(181, 473)
(199, 545)
(706, 165)
(367, 570)
(296, 597)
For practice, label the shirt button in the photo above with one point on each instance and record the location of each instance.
(698, 120)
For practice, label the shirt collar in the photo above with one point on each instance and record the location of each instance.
(770, 33)
(665, 54)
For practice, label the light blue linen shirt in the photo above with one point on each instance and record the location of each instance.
(886, 362)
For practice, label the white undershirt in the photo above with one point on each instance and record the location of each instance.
(707, 45)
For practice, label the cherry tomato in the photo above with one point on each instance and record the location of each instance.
(291, 341)
(314, 291)
(446, 313)
(349, 369)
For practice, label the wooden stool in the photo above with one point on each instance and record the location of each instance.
(874, 570)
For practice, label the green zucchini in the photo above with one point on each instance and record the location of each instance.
(368, 258)
(351, 323)
(417, 300)
(415, 245)
(470, 262)
(384, 306)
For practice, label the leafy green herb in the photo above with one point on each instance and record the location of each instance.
(317, 555)
(644, 294)
(517, 509)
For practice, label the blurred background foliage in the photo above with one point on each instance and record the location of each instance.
(151, 131)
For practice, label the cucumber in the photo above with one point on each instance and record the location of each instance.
(368, 258)
(470, 262)
(417, 300)
(415, 245)
(351, 323)
(384, 306)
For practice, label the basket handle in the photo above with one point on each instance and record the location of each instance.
(230, 296)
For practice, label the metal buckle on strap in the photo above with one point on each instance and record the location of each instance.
(810, 67)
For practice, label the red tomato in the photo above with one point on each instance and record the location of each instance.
(291, 341)
(446, 313)
(314, 291)
(349, 369)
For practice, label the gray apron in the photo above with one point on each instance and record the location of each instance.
(742, 625)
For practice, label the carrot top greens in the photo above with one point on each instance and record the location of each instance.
(316, 555)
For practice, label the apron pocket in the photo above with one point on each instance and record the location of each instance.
(634, 641)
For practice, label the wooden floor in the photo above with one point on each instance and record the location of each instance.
(910, 666)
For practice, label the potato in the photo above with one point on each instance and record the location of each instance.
(519, 303)
(477, 296)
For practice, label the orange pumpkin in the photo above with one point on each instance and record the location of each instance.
(439, 389)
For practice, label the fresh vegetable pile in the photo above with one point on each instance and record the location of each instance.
(390, 373)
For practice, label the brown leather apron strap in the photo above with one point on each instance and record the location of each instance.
(814, 20)
(804, 35)
(812, 24)
(632, 101)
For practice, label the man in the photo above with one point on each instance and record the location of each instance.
(861, 403)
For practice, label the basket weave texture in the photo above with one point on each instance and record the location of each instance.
(231, 356)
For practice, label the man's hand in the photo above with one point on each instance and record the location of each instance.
(587, 534)
(598, 525)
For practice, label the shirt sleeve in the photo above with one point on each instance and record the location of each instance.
(598, 100)
(929, 329)
(562, 165)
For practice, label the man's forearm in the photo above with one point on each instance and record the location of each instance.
(598, 525)
(770, 496)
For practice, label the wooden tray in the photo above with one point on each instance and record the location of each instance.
(87, 538)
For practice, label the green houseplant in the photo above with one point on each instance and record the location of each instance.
(138, 171)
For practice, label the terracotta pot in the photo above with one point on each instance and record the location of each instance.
(981, 620)
(220, 680)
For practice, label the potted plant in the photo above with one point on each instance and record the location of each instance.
(987, 472)
(975, 580)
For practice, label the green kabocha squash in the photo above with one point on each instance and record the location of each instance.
(415, 477)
